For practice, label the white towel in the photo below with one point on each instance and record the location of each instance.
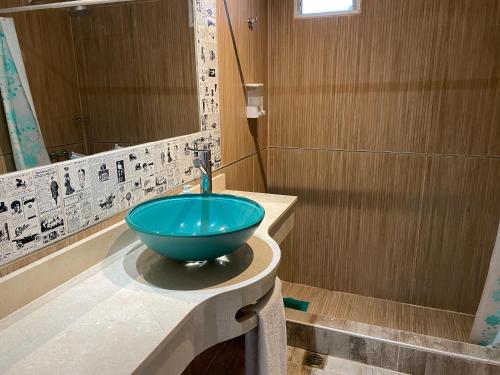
(486, 328)
(265, 347)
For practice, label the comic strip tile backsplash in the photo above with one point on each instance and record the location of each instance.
(208, 85)
(41, 206)
(44, 205)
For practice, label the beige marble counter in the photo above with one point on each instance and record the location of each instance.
(137, 312)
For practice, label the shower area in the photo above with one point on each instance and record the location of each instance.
(97, 77)
(386, 125)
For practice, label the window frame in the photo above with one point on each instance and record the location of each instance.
(298, 9)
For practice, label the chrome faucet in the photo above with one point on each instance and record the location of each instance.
(203, 161)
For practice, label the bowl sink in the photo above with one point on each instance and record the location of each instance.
(195, 227)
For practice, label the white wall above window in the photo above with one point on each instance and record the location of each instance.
(320, 8)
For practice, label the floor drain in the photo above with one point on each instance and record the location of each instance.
(312, 359)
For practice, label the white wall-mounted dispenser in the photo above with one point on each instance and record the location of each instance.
(255, 100)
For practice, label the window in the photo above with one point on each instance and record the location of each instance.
(318, 8)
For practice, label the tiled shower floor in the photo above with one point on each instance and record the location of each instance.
(380, 312)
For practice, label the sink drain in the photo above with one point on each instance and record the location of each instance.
(315, 360)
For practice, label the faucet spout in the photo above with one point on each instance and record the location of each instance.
(204, 163)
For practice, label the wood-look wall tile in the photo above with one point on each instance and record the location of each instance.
(419, 76)
(239, 175)
(168, 67)
(248, 174)
(407, 77)
(5, 146)
(137, 66)
(7, 163)
(356, 222)
(459, 221)
(239, 63)
(108, 97)
(11, 3)
(411, 228)
(447, 121)
(260, 160)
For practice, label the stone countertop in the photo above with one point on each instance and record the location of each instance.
(138, 312)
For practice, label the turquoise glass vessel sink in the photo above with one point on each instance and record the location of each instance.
(195, 227)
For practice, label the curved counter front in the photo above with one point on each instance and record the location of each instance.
(138, 312)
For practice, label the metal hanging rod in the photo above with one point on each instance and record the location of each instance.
(60, 5)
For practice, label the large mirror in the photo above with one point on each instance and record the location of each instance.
(83, 80)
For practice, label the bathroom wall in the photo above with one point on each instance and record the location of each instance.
(243, 59)
(387, 126)
(45, 39)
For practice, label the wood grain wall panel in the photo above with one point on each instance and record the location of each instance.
(47, 49)
(443, 121)
(241, 62)
(46, 45)
(251, 43)
(7, 163)
(136, 65)
(354, 232)
(248, 174)
(11, 3)
(419, 76)
(5, 146)
(239, 175)
(108, 92)
(458, 223)
(395, 101)
(260, 171)
(168, 66)
(412, 228)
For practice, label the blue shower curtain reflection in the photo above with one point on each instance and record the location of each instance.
(486, 328)
(26, 138)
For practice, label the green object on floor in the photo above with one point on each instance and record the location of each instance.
(295, 304)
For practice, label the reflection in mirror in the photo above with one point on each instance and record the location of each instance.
(82, 80)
